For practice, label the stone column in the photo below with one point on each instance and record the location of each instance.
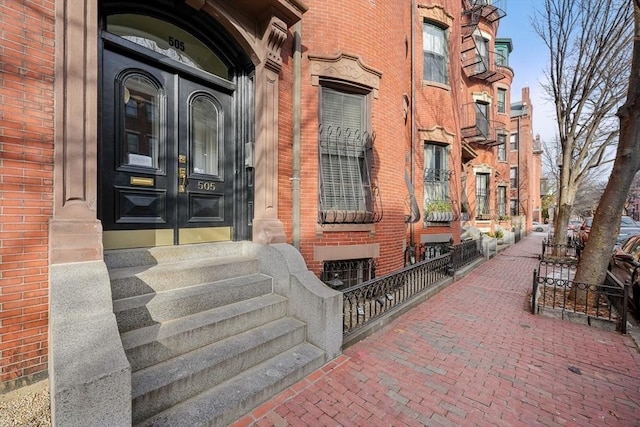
(267, 227)
(75, 234)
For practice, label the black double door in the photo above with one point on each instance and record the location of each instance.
(166, 155)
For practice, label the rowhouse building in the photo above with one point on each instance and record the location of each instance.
(188, 185)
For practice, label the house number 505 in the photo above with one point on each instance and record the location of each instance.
(178, 44)
(204, 185)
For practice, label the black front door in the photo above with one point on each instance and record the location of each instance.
(167, 155)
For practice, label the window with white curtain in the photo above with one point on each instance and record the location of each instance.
(435, 53)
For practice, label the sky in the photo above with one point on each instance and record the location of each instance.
(528, 61)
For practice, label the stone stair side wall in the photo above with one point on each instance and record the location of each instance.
(310, 300)
(89, 374)
(90, 377)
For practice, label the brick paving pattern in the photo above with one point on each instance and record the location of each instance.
(472, 355)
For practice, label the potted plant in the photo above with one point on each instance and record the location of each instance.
(438, 211)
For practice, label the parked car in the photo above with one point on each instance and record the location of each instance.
(628, 227)
(540, 227)
(625, 266)
(573, 229)
(574, 225)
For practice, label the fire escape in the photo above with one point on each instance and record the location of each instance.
(475, 52)
(477, 128)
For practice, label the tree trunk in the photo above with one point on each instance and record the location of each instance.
(566, 198)
(606, 222)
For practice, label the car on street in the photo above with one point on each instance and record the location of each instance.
(574, 225)
(540, 227)
(628, 227)
(573, 229)
(625, 266)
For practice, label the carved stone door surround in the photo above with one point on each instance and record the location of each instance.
(75, 231)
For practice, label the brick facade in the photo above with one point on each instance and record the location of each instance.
(373, 46)
(26, 187)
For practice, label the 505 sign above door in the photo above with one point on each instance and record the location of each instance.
(178, 44)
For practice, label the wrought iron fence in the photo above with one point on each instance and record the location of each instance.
(347, 273)
(554, 288)
(517, 234)
(370, 300)
(465, 253)
(433, 250)
(569, 251)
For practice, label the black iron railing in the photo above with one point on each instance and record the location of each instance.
(568, 252)
(369, 301)
(554, 288)
(465, 253)
(517, 234)
(434, 250)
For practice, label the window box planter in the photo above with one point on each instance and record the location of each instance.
(440, 216)
(438, 211)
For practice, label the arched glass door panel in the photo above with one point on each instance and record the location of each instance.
(141, 122)
(205, 135)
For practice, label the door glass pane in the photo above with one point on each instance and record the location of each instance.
(141, 122)
(167, 39)
(204, 136)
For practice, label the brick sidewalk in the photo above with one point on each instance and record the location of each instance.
(472, 356)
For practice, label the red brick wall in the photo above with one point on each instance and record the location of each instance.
(374, 31)
(26, 186)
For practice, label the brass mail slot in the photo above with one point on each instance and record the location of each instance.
(144, 182)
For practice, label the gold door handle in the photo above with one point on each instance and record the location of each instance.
(182, 176)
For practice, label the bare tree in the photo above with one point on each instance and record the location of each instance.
(593, 262)
(589, 56)
(588, 191)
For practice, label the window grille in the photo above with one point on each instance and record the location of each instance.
(502, 201)
(436, 173)
(437, 207)
(482, 196)
(347, 194)
(342, 274)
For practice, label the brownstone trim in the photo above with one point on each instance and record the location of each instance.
(345, 67)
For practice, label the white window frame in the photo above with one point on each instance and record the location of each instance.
(435, 51)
